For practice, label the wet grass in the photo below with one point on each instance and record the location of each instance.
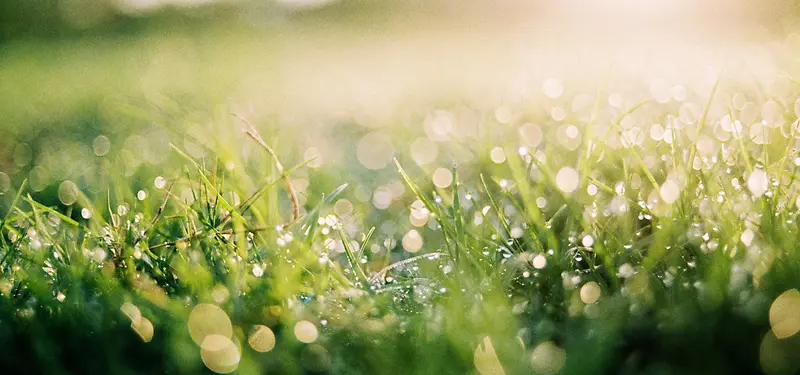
(641, 226)
(627, 254)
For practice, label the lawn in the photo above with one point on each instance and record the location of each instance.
(187, 195)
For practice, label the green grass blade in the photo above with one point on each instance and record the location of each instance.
(351, 257)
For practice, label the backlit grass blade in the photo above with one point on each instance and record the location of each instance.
(351, 257)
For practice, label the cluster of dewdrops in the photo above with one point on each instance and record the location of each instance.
(751, 121)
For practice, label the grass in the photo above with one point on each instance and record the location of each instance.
(613, 246)
(627, 283)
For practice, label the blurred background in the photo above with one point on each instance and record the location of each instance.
(93, 86)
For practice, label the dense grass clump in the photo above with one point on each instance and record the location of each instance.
(653, 236)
